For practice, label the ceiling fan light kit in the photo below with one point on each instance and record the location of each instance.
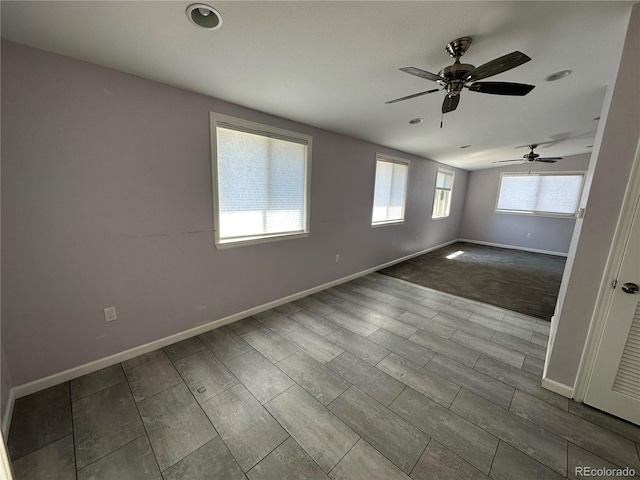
(463, 75)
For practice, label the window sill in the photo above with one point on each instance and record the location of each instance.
(436, 217)
(224, 244)
(386, 224)
(572, 216)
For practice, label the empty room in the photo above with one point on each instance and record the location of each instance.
(320, 240)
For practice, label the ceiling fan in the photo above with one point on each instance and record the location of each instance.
(463, 75)
(532, 157)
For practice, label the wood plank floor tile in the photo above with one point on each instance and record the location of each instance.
(446, 347)
(439, 463)
(474, 381)
(533, 365)
(343, 291)
(462, 437)
(352, 323)
(313, 344)
(511, 463)
(149, 374)
(431, 325)
(321, 382)
(133, 460)
(529, 438)
(211, 461)
(375, 383)
(205, 375)
(324, 437)
(614, 424)
(520, 379)
(273, 346)
(500, 326)
(289, 460)
(184, 348)
(401, 346)
(361, 347)
(225, 343)
(261, 377)
(395, 438)
(421, 380)
(504, 354)
(175, 424)
(104, 422)
(55, 461)
(363, 462)
(276, 321)
(519, 345)
(247, 429)
(390, 324)
(314, 322)
(341, 303)
(612, 447)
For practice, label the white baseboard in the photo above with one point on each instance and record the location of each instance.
(559, 388)
(70, 374)
(513, 247)
(8, 412)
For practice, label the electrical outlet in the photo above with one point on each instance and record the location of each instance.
(110, 314)
(337, 258)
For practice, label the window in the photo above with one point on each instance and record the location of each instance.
(260, 181)
(442, 198)
(553, 194)
(390, 191)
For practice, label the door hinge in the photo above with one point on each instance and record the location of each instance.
(614, 283)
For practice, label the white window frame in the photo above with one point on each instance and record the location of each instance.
(225, 121)
(389, 159)
(541, 174)
(436, 190)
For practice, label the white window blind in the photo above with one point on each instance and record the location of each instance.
(442, 197)
(261, 184)
(390, 191)
(540, 194)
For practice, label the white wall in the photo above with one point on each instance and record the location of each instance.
(617, 141)
(480, 222)
(106, 198)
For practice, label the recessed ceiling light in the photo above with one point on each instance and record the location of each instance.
(204, 16)
(558, 75)
(413, 121)
(465, 146)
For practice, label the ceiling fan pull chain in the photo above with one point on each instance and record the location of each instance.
(441, 119)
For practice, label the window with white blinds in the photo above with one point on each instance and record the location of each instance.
(260, 181)
(442, 197)
(390, 191)
(553, 194)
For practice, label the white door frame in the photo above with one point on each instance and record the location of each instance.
(5, 464)
(605, 294)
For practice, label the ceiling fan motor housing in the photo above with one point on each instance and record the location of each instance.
(453, 77)
(531, 156)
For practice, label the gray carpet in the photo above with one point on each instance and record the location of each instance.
(524, 282)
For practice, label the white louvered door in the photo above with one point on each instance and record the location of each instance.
(614, 385)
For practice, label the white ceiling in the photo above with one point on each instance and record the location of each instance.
(334, 64)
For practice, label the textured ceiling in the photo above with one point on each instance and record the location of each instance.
(334, 64)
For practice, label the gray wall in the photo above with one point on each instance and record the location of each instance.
(615, 148)
(106, 198)
(480, 222)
